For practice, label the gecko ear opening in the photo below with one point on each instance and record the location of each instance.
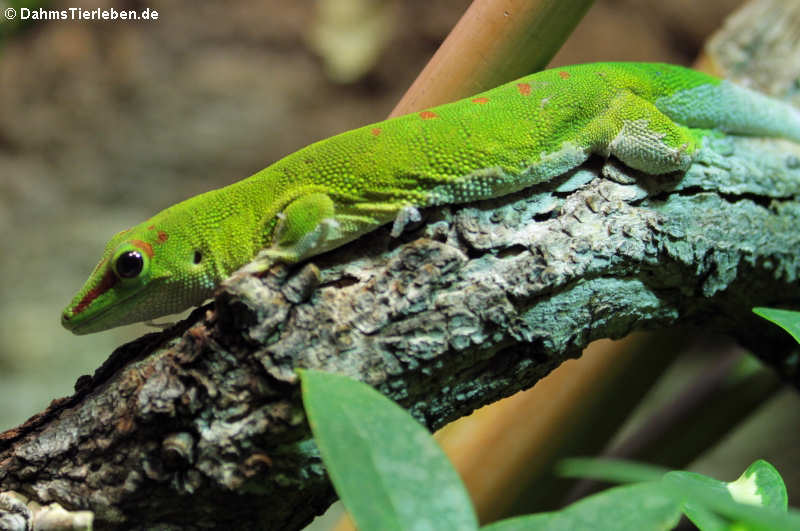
(130, 263)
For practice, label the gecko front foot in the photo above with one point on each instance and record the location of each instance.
(306, 245)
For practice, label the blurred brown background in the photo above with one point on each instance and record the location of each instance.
(104, 123)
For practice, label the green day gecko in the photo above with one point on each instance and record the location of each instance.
(652, 117)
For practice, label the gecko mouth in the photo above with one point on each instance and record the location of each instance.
(84, 323)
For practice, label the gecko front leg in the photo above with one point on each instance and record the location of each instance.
(302, 229)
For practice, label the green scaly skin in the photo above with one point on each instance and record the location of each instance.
(652, 117)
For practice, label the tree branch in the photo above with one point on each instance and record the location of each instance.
(202, 425)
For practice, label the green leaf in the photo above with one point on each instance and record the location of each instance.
(715, 496)
(760, 485)
(704, 519)
(786, 319)
(639, 507)
(712, 505)
(700, 515)
(386, 468)
(609, 470)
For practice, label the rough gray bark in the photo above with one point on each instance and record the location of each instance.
(201, 426)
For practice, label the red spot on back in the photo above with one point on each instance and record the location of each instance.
(376, 131)
(151, 227)
(480, 100)
(563, 74)
(524, 88)
(428, 115)
(144, 246)
(106, 283)
(162, 236)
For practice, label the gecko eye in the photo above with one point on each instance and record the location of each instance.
(129, 264)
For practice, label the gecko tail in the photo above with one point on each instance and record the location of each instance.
(731, 108)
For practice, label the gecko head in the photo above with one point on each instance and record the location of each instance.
(142, 275)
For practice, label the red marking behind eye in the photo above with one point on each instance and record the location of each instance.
(162, 236)
(428, 115)
(480, 100)
(524, 88)
(563, 74)
(376, 131)
(144, 246)
(108, 281)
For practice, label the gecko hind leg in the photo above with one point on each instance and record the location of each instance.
(647, 139)
(406, 216)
